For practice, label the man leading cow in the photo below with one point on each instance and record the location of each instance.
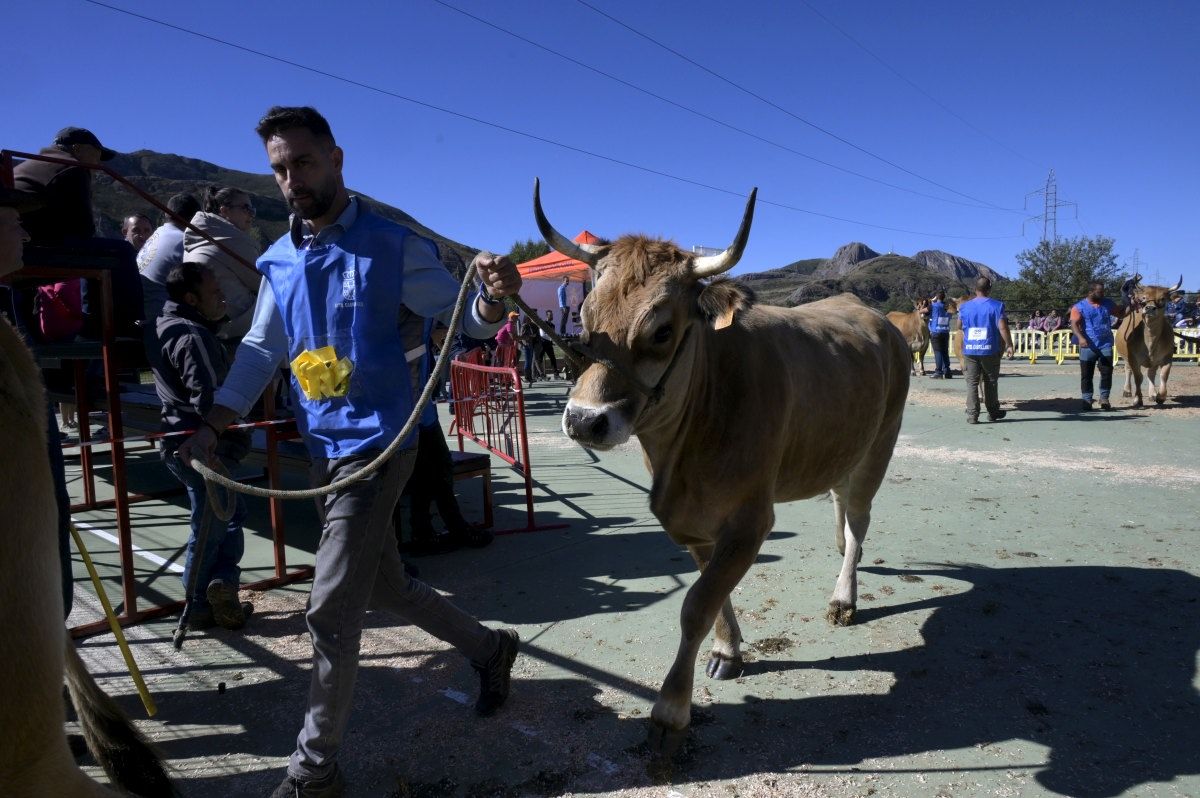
(336, 281)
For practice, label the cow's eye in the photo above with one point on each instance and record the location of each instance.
(663, 334)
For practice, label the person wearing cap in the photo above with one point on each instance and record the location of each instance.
(13, 238)
(64, 235)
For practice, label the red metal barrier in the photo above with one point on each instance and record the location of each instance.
(489, 408)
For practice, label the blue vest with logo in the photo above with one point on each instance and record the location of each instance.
(939, 319)
(981, 326)
(1097, 321)
(347, 295)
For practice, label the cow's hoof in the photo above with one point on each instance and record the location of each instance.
(664, 743)
(840, 614)
(720, 667)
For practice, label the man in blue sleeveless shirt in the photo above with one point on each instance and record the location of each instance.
(939, 336)
(1091, 321)
(330, 304)
(984, 329)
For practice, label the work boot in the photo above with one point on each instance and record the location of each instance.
(1086, 406)
(494, 678)
(227, 611)
(332, 786)
(999, 414)
(1105, 405)
(972, 419)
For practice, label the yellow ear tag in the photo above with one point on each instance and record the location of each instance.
(321, 374)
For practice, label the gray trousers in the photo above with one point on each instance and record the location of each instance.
(358, 568)
(986, 369)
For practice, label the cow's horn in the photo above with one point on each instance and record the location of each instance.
(1177, 285)
(709, 265)
(588, 253)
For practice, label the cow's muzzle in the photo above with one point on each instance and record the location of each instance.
(594, 427)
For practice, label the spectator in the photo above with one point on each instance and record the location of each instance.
(984, 329)
(63, 232)
(939, 336)
(1176, 309)
(227, 217)
(164, 251)
(190, 366)
(564, 312)
(1053, 322)
(432, 480)
(507, 335)
(1091, 321)
(529, 339)
(547, 346)
(137, 229)
(336, 247)
(1037, 321)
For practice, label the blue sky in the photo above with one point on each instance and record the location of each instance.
(1105, 93)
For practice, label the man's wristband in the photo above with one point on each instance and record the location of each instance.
(487, 298)
(216, 432)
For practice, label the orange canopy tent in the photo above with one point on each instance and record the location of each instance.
(554, 264)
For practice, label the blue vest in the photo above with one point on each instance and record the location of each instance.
(347, 295)
(939, 319)
(1097, 321)
(981, 326)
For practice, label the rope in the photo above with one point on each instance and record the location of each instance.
(212, 477)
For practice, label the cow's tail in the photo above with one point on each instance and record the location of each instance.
(126, 756)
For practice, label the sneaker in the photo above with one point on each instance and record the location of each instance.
(972, 419)
(1105, 405)
(947, 376)
(494, 678)
(227, 611)
(935, 376)
(332, 786)
(1086, 406)
(997, 415)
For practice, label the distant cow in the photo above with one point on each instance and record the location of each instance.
(1146, 341)
(914, 327)
(737, 406)
(35, 761)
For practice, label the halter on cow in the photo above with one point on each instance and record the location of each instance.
(737, 406)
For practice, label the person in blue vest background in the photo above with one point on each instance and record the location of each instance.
(1091, 321)
(564, 312)
(985, 338)
(939, 336)
(332, 291)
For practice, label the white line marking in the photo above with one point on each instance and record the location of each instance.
(154, 558)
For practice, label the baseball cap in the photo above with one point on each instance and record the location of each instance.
(78, 135)
(20, 200)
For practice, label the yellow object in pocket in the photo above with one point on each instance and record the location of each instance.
(321, 373)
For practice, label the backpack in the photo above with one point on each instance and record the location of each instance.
(58, 310)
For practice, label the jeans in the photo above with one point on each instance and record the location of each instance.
(1088, 360)
(564, 315)
(987, 367)
(358, 568)
(225, 541)
(432, 481)
(941, 352)
(63, 502)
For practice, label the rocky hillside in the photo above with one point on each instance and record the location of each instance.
(883, 281)
(162, 175)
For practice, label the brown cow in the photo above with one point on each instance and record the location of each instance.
(750, 405)
(1145, 340)
(35, 761)
(914, 327)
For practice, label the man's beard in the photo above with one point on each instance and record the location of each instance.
(321, 202)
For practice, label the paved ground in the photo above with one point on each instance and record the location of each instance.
(1028, 626)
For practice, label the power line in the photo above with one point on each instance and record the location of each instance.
(917, 88)
(701, 114)
(792, 114)
(524, 134)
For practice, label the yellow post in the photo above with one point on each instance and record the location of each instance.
(147, 700)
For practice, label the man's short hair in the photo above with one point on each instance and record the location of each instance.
(282, 117)
(1095, 283)
(125, 221)
(184, 205)
(184, 279)
(983, 285)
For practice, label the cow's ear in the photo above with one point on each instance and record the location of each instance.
(723, 299)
